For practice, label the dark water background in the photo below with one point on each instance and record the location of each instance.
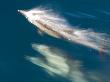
(16, 35)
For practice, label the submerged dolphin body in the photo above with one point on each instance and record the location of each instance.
(58, 63)
(52, 24)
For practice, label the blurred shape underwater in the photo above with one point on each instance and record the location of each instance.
(57, 63)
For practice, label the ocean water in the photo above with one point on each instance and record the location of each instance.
(17, 34)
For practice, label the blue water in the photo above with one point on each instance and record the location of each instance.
(16, 35)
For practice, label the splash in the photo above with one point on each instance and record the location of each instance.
(81, 15)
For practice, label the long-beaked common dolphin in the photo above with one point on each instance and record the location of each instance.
(52, 24)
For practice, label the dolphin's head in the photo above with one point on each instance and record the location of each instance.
(24, 13)
(30, 15)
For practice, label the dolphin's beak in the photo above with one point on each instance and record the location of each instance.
(23, 12)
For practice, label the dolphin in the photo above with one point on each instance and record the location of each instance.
(52, 24)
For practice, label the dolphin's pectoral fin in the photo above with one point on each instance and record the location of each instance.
(40, 32)
(104, 48)
(103, 51)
